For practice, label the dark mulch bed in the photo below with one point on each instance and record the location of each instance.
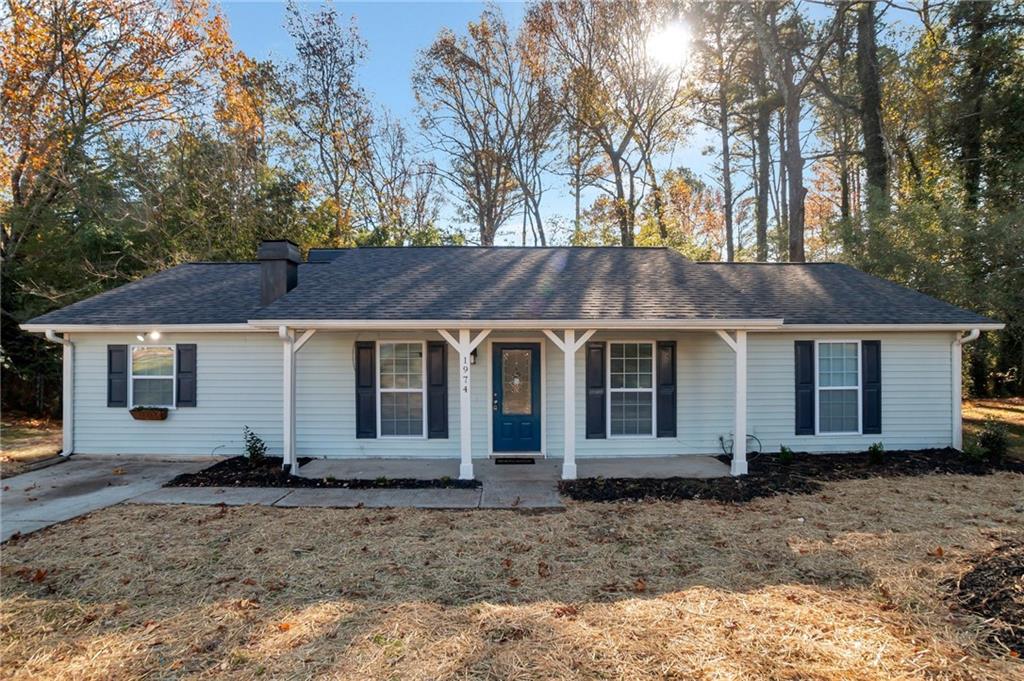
(239, 472)
(994, 589)
(769, 477)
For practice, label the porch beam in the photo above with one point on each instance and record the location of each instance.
(303, 339)
(724, 335)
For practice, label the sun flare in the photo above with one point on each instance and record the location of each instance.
(670, 45)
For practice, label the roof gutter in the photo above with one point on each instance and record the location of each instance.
(405, 324)
(140, 328)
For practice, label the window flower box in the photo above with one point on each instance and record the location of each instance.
(149, 413)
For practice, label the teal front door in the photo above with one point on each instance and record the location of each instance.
(516, 398)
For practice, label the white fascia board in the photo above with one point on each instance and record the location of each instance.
(823, 328)
(143, 328)
(533, 324)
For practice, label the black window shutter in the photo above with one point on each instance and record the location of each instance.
(117, 375)
(871, 382)
(666, 378)
(804, 387)
(366, 390)
(186, 375)
(437, 389)
(595, 391)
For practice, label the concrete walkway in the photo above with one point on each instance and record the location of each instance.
(82, 484)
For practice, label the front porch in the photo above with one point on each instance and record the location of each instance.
(543, 470)
(563, 378)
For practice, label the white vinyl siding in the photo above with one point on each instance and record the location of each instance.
(239, 384)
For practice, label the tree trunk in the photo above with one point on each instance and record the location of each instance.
(762, 143)
(795, 172)
(622, 207)
(783, 216)
(876, 161)
(723, 127)
(659, 207)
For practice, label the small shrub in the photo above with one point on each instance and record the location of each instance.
(876, 454)
(994, 439)
(255, 447)
(972, 451)
(786, 455)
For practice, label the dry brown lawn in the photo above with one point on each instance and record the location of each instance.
(847, 584)
(1009, 410)
(26, 440)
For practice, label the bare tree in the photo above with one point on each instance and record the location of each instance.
(399, 193)
(624, 102)
(326, 110)
(782, 45)
(456, 82)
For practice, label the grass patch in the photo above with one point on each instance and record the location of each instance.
(849, 583)
(24, 441)
(1008, 410)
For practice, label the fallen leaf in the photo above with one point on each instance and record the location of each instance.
(39, 575)
(566, 611)
(284, 626)
(249, 581)
(118, 471)
(514, 582)
(543, 569)
(506, 563)
(640, 585)
(938, 552)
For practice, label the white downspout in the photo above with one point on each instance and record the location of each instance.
(68, 395)
(957, 391)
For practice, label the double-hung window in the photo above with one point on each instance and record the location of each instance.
(402, 408)
(838, 387)
(631, 389)
(152, 375)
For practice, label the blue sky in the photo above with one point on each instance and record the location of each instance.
(395, 33)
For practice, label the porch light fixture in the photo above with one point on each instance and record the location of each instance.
(154, 335)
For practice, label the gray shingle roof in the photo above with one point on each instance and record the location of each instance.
(518, 283)
(196, 293)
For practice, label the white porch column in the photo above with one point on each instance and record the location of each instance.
(569, 346)
(288, 397)
(465, 346)
(739, 440)
(68, 394)
(291, 348)
(739, 428)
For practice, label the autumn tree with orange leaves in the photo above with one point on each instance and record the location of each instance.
(78, 71)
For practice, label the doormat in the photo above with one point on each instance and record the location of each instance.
(513, 460)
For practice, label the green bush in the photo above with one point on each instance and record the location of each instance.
(876, 454)
(255, 447)
(786, 455)
(994, 439)
(972, 451)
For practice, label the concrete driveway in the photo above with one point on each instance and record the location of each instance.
(82, 484)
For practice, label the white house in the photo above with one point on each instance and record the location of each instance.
(477, 352)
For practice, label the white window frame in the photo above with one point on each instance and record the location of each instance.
(610, 390)
(818, 388)
(422, 389)
(173, 377)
